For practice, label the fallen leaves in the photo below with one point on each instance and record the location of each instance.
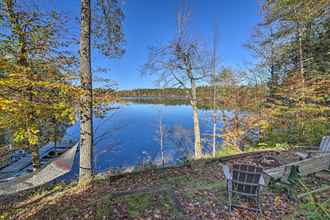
(192, 192)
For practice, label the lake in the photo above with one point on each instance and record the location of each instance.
(127, 135)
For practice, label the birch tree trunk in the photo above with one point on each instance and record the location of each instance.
(302, 78)
(86, 101)
(214, 133)
(197, 135)
(214, 118)
(214, 87)
(161, 136)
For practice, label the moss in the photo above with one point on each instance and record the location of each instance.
(103, 207)
(227, 151)
(137, 203)
(314, 211)
(167, 202)
(176, 180)
(204, 185)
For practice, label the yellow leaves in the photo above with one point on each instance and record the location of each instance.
(264, 124)
(64, 112)
(29, 106)
(61, 105)
(69, 115)
(34, 130)
(4, 103)
(29, 135)
(277, 201)
(33, 139)
(19, 136)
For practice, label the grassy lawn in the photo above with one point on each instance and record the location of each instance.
(193, 191)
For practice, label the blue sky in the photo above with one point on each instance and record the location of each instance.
(152, 22)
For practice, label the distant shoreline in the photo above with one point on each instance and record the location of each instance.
(155, 97)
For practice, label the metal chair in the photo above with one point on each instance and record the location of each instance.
(244, 181)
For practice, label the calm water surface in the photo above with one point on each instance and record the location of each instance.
(127, 135)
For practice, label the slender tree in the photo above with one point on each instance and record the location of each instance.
(103, 23)
(214, 92)
(182, 63)
(86, 98)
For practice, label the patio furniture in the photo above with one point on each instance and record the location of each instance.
(324, 148)
(244, 182)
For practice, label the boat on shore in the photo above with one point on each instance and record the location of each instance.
(21, 161)
(51, 171)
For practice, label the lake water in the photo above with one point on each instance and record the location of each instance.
(127, 135)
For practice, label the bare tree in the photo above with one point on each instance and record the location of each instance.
(181, 63)
(214, 87)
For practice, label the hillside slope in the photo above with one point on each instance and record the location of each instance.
(196, 190)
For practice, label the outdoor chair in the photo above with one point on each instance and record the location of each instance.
(244, 182)
(324, 148)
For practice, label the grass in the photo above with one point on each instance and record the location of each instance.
(103, 208)
(313, 211)
(138, 203)
(194, 190)
(227, 151)
(203, 185)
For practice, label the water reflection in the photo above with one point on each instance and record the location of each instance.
(128, 135)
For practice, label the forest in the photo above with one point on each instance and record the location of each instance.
(262, 114)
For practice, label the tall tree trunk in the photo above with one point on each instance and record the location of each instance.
(214, 114)
(302, 78)
(35, 157)
(197, 135)
(86, 99)
(55, 136)
(301, 59)
(34, 147)
(161, 136)
(214, 118)
(273, 74)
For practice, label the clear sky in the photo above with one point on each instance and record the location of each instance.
(151, 22)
